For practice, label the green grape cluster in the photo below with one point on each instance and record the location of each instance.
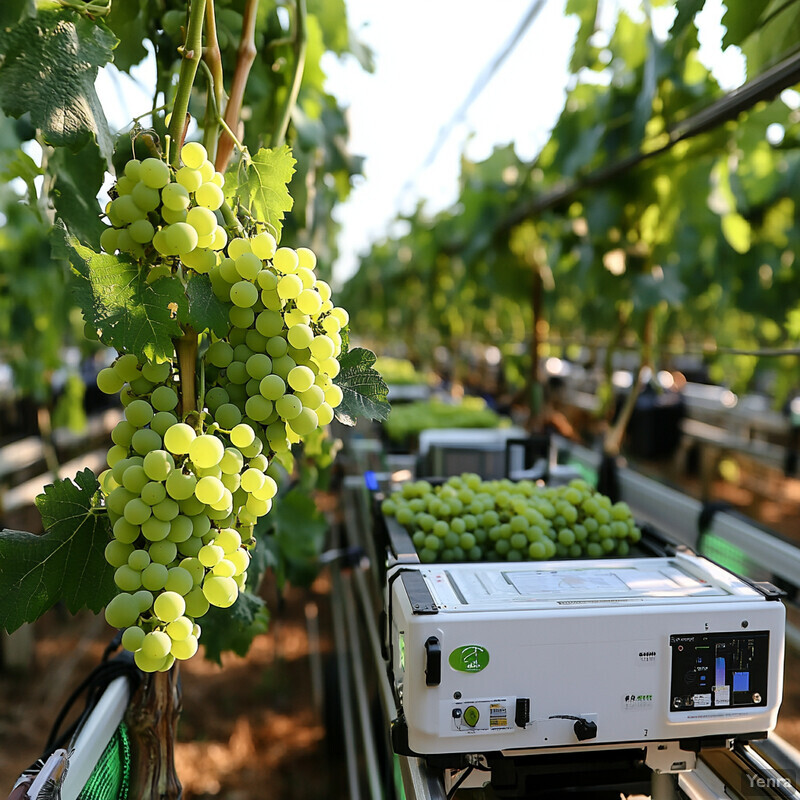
(184, 490)
(275, 368)
(182, 501)
(469, 519)
(160, 213)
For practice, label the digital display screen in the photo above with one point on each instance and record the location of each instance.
(719, 670)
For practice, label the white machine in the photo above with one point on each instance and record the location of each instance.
(657, 652)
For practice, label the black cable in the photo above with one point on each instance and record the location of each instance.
(455, 787)
(94, 684)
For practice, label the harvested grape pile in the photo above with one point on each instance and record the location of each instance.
(467, 518)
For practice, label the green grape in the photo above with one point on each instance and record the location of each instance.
(209, 196)
(189, 178)
(308, 279)
(146, 198)
(269, 323)
(232, 461)
(305, 422)
(178, 438)
(147, 664)
(227, 416)
(322, 347)
(171, 216)
(306, 258)
(300, 378)
(288, 406)
(289, 287)
(127, 579)
(184, 649)
(241, 317)
(179, 628)
(175, 197)
(139, 413)
(132, 169)
(209, 490)
(164, 398)
(236, 373)
(108, 382)
(220, 591)
(203, 220)
(193, 155)
(117, 553)
(181, 237)
(135, 479)
(309, 302)
(219, 238)
(285, 260)
(126, 209)
(258, 408)
(229, 540)
(136, 511)
(210, 554)
(168, 606)
(220, 354)
(156, 644)
(238, 247)
(331, 325)
(125, 532)
(271, 300)
(224, 569)
(109, 240)
(333, 395)
(166, 510)
(200, 259)
(162, 421)
(122, 434)
(139, 560)
(180, 528)
(154, 576)
(243, 294)
(154, 173)
(122, 611)
(248, 266)
(258, 366)
(132, 638)
(267, 279)
(242, 435)
(300, 336)
(268, 489)
(141, 231)
(264, 245)
(206, 451)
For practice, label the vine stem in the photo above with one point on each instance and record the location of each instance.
(300, 45)
(212, 60)
(245, 58)
(192, 53)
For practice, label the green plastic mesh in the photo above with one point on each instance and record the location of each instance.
(110, 779)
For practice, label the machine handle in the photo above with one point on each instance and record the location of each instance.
(433, 662)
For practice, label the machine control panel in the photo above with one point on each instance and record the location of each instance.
(719, 670)
(469, 716)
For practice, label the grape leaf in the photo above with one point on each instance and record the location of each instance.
(204, 310)
(133, 316)
(65, 564)
(79, 177)
(49, 70)
(263, 186)
(233, 628)
(364, 390)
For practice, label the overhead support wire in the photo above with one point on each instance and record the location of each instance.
(729, 107)
(488, 72)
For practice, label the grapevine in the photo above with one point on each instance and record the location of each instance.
(186, 485)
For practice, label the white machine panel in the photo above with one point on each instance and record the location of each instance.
(523, 656)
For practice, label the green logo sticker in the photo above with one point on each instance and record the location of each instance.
(470, 658)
